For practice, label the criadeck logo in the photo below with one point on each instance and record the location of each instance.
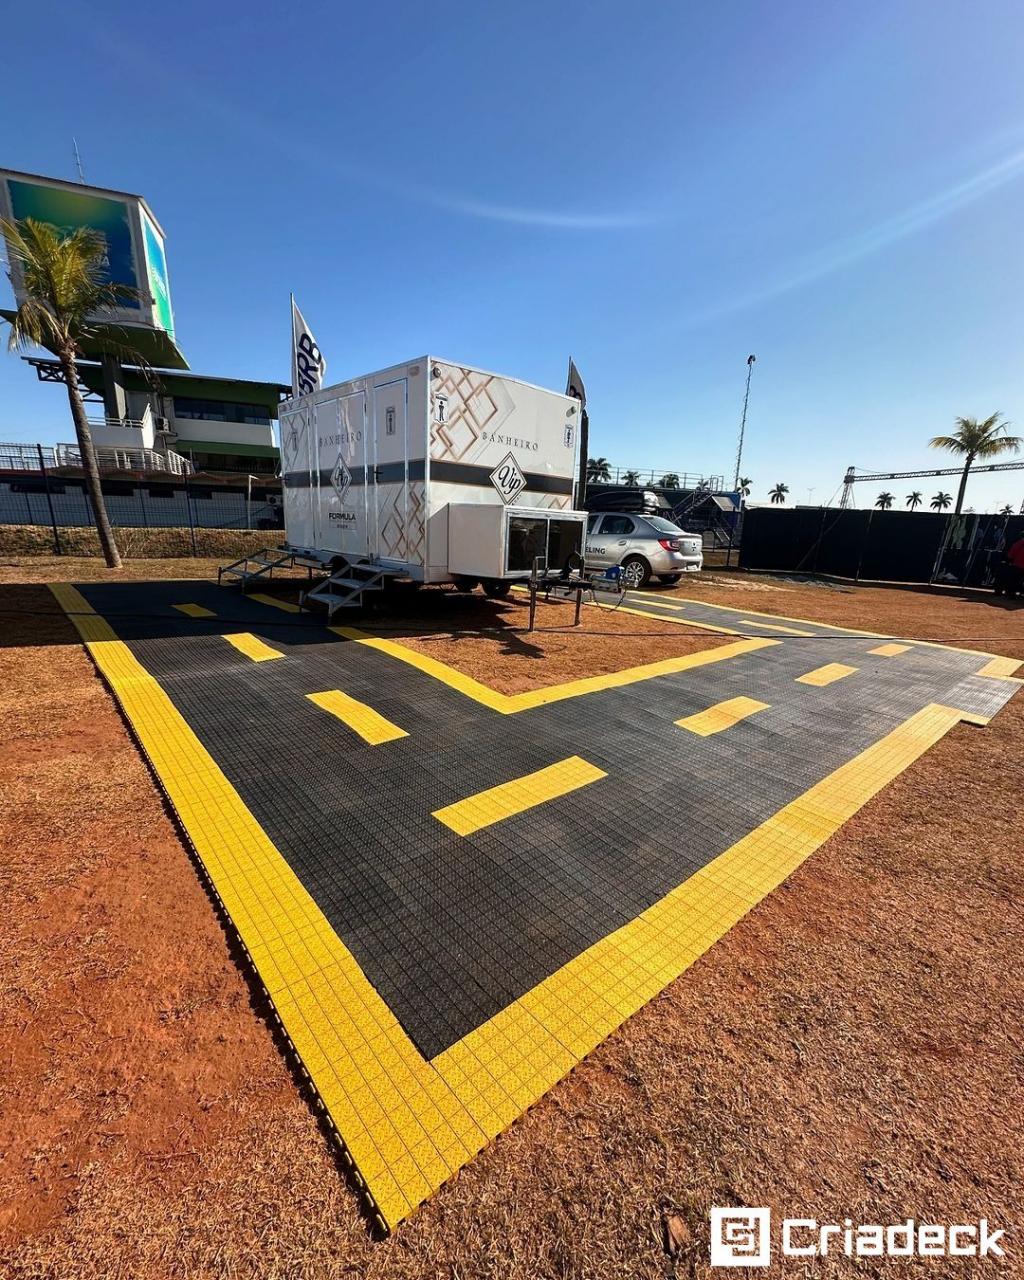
(743, 1238)
(740, 1237)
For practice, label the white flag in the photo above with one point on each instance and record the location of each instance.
(308, 365)
(574, 384)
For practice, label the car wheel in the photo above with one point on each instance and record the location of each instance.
(636, 572)
(669, 579)
(496, 589)
(465, 585)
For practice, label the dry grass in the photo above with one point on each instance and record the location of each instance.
(852, 1048)
(35, 541)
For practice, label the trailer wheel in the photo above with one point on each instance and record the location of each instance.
(636, 572)
(497, 589)
(465, 584)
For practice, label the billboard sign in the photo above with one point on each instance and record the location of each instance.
(156, 271)
(134, 241)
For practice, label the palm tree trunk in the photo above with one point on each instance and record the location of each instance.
(105, 533)
(963, 485)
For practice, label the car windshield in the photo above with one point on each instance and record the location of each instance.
(661, 525)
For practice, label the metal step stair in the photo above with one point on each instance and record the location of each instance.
(346, 587)
(261, 565)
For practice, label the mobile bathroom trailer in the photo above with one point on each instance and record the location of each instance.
(433, 471)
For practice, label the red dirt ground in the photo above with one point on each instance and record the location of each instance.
(852, 1048)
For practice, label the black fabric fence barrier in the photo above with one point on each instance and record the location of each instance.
(884, 546)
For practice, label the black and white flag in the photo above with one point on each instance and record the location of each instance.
(308, 365)
(574, 384)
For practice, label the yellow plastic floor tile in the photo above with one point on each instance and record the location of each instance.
(253, 647)
(369, 724)
(195, 610)
(889, 650)
(775, 626)
(723, 715)
(497, 803)
(827, 674)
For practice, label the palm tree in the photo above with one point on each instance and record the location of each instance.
(631, 478)
(598, 469)
(669, 480)
(941, 501)
(914, 499)
(884, 501)
(63, 283)
(778, 494)
(1007, 510)
(745, 483)
(973, 439)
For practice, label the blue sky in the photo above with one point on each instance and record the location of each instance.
(658, 189)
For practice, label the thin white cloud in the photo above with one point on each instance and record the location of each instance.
(844, 252)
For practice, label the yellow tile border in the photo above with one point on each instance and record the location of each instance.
(406, 1123)
(511, 703)
(643, 613)
(723, 715)
(1002, 669)
(517, 795)
(371, 726)
(832, 626)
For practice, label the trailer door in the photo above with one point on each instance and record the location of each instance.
(296, 474)
(340, 508)
(389, 492)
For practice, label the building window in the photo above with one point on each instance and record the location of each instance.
(220, 411)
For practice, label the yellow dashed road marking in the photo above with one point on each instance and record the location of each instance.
(822, 676)
(774, 626)
(723, 715)
(664, 604)
(195, 610)
(498, 803)
(277, 604)
(252, 647)
(371, 726)
(889, 650)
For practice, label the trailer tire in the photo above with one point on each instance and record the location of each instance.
(496, 589)
(464, 584)
(669, 579)
(636, 572)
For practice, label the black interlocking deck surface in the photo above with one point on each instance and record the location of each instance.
(451, 929)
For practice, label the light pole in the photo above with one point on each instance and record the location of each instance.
(743, 422)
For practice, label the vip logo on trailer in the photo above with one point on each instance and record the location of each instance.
(341, 478)
(508, 479)
(740, 1237)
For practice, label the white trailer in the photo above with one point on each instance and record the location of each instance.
(433, 471)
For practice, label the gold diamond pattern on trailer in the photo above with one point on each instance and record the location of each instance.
(473, 407)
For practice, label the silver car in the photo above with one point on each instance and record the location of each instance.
(645, 547)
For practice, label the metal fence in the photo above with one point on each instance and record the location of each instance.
(45, 486)
(653, 476)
